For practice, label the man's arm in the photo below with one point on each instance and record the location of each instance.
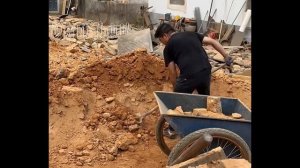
(173, 73)
(216, 45)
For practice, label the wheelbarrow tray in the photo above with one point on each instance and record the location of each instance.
(185, 124)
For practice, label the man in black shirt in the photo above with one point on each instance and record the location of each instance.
(185, 50)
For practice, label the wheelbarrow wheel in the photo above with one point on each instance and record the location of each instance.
(164, 143)
(233, 145)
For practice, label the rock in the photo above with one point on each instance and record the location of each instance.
(238, 61)
(111, 50)
(71, 89)
(73, 40)
(131, 148)
(219, 57)
(65, 161)
(64, 81)
(88, 160)
(81, 159)
(79, 42)
(247, 63)
(79, 163)
(62, 151)
(127, 84)
(78, 154)
(94, 45)
(85, 49)
(124, 140)
(90, 147)
(132, 99)
(81, 116)
(101, 45)
(113, 123)
(174, 112)
(109, 99)
(100, 148)
(110, 157)
(62, 73)
(99, 97)
(214, 104)
(93, 89)
(139, 135)
(113, 150)
(236, 115)
(106, 115)
(83, 58)
(64, 146)
(112, 42)
(85, 153)
(207, 157)
(199, 111)
(133, 128)
(115, 47)
(140, 50)
(94, 78)
(236, 68)
(179, 109)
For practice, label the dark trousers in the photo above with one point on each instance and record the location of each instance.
(199, 81)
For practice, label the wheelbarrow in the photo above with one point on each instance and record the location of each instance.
(233, 135)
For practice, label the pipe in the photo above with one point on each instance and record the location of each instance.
(245, 21)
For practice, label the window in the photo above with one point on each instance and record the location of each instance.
(177, 5)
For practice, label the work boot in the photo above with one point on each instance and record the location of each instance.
(169, 133)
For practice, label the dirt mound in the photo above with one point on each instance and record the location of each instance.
(94, 105)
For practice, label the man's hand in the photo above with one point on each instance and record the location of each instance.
(228, 60)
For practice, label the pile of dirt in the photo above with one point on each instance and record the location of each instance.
(94, 104)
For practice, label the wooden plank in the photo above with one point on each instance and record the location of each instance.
(228, 33)
(63, 10)
(230, 47)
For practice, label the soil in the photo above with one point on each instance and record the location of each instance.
(95, 102)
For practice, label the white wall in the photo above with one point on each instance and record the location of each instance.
(222, 6)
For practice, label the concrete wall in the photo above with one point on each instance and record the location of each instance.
(222, 7)
(116, 12)
(161, 7)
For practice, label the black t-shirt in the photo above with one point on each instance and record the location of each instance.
(185, 49)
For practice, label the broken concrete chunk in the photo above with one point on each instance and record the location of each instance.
(179, 109)
(85, 49)
(125, 140)
(199, 111)
(214, 104)
(236, 115)
(236, 68)
(174, 112)
(71, 89)
(133, 128)
(213, 155)
(219, 57)
(109, 99)
(106, 115)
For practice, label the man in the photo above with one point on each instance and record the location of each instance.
(185, 50)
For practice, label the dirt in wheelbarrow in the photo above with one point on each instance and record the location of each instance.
(94, 103)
